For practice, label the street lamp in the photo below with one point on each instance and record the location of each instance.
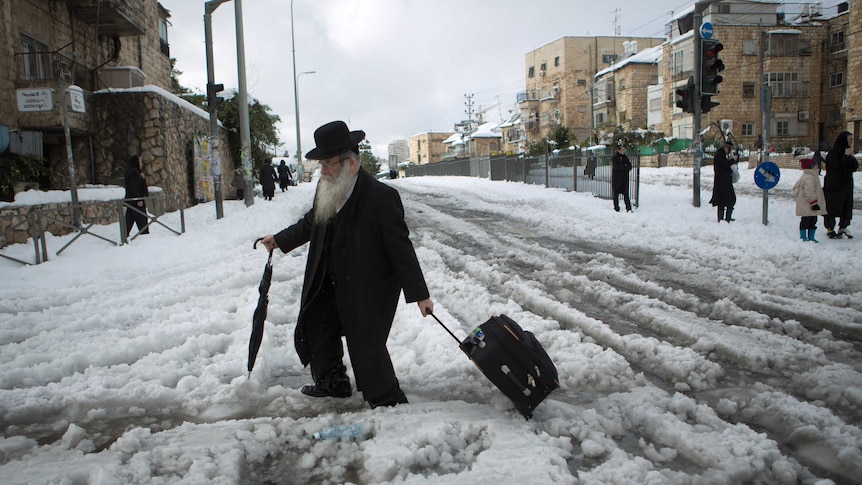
(296, 89)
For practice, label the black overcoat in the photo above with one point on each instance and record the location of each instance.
(268, 177)
(374, 261)
(838, 183)
(723, 194)
(620, 168)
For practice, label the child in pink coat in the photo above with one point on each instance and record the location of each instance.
(809, 198)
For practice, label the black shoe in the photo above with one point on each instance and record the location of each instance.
(393, 398)
(832, 234)
(333, 385)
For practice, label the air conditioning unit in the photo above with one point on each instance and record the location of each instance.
(121, 77)
(803, 115)
(726, 126)
(542, 72)
(556, 88)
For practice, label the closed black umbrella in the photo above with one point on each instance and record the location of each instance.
(259, 312)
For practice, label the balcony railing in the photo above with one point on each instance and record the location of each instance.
(35, 67)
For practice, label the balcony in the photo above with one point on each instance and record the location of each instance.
(39, 68)
(124, 18)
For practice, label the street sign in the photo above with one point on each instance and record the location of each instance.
(706, 30)
(766, 175)
(76, 99)
(36, 99)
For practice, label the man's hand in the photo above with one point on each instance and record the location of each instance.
(269, 243)
(426, 307)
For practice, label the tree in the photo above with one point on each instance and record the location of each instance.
(262, 132)
(369, 162)
(176, 87)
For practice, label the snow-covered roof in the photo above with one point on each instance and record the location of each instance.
(650, 55)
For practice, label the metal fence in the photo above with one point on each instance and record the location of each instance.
(59, 219)
(574, 173)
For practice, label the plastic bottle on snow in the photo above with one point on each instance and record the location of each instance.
(350, 431)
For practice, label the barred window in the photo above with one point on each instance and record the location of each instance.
(35, 59)
(748, 90)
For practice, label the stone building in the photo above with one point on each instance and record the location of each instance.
(117, 52)
(841, 39)
(560, 78)
(428, 147)
(628, 80)
(795, 58)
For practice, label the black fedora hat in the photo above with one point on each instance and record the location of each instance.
(334, 138)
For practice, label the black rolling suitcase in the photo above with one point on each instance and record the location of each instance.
(512, 359)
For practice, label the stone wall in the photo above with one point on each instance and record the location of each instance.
(159, 127)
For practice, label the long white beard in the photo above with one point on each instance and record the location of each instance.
(331, 194)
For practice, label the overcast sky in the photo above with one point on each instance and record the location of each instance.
(392, 67)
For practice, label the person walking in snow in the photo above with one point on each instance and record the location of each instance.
(267, 179)
(360, 259)
(283, 176)
(809, 198)
(723, 195)
(620, 168)
(838, 186)
(136, 188)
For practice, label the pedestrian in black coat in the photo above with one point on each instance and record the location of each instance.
(621, 166)
(283, 176)
(268, 178)
(136, 188)
(838, 186)
(723, 194)
(360, 259)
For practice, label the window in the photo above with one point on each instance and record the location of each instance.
(600, 118)
(544, 66)
(164, 47)
(34, 59)
(531, 72)
(678, 62)
(836, 79)
(622, 85)
(748, 129)
(582, 82)
(748, 90)
(749, 47)
(782, 128)
(787, 45)
(609, 58)
(557, 61)
(724, 8)
(836, 42)
(785, 84)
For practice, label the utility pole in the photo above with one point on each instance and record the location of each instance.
(243, 106)
(213, 102)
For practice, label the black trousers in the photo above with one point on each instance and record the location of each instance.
(134, 217)
(323, 334)
(808, 222)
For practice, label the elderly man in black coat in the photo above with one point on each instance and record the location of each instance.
(360, 258)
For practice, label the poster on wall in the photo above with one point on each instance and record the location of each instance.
(204, 180)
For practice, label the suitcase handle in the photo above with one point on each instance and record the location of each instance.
(445, 327)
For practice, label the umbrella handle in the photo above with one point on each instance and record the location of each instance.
(254, 246)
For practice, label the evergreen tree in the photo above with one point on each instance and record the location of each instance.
(262, 132)
(370, 163)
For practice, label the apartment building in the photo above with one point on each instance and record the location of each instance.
(801, 61)
(398, 152)
(95, 75)
(559, 80)
(428, 147)
(853, 105)
(620, 92)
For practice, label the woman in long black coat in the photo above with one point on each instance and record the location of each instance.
(723, 195)
(283, 176)
(838, 186)
(267, 179)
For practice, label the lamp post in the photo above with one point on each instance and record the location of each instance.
(296, 90)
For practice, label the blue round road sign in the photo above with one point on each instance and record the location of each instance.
(766, 175)
(706, 30)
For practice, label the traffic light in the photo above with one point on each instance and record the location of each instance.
(710, 67)
(706, 104)
(685, 96)
(213, 100)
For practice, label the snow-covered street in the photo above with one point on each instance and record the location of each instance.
(689, 351)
